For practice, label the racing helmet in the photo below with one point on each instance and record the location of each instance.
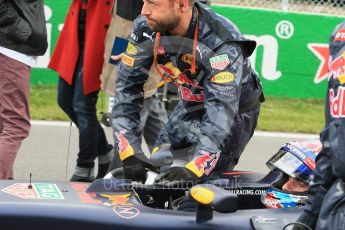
(295, 160)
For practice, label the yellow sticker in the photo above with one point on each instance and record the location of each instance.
(223, 77)
(175, 71)
(202, 195)
(127, 60)
(126, 153)
(131, 49)
(192, 166)
(154, 150)
(341, 79)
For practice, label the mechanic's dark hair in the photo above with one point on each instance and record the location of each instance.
(191, 2)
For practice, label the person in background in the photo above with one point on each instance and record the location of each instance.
(325, 207)
(78, 59)
(23, 36)
(153, 115)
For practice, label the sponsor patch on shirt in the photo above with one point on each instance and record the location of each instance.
(161, 50)
(134, 37)
(340, 36)
(127, 60)
(131, 49)
(336, 102)
(223, 77)
(337, 68)
(125, 149)
(220, 62)
(204, 163)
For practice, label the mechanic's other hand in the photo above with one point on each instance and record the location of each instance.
(116, 57)
(162, 156)
(177, 176)
(134, 169)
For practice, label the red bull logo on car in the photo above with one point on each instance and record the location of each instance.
(125, 149)
(337, 102)
(121, 199)
(203, 164)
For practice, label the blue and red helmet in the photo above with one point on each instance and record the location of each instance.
(296, 160)
(275, 197)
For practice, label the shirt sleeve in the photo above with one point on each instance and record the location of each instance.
(222, 90)
(129, 94)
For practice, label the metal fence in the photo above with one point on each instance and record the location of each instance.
(333, 7)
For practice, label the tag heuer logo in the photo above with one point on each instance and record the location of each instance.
(220, 62)
(38, 191)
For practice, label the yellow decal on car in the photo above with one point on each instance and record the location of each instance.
(202, 195)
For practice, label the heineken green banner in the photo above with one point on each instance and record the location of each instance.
(291, 57)
(55, 12)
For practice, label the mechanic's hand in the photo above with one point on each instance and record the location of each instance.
(162, 156)
(116, 57)
(177, 176)
(134, 169)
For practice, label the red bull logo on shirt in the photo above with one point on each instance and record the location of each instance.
(125, 149)
(203, 164)
(337, 68)
(337, 102)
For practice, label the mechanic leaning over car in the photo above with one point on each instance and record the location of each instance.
(325, 207)
(206, 57)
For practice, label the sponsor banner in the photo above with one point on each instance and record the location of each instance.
(55, 12)
(291, 56)
(127, 60)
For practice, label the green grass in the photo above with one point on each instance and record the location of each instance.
(292, 115)
(277, 114)
(43, 104)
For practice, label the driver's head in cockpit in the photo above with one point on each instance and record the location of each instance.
(296, 160)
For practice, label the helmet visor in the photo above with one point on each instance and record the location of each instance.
(289, 164)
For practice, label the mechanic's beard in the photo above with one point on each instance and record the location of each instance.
(165, 26)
